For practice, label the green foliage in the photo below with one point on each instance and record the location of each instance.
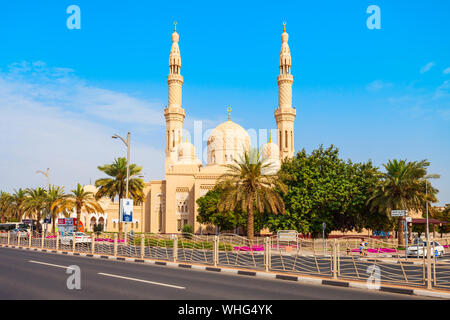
(98, 228)
(324, 188)
(245, 186)
(187, 228)
(116, 184)
(404, 186)
(443, 215)
(208, 212)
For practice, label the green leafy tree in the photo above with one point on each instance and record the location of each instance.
(324, 188)
(442, 215)
(78, 200)
(402, 187)
(244, 186)
(209, 213)
(116, 185)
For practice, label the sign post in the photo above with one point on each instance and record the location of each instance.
(126, 213)
(398, 213)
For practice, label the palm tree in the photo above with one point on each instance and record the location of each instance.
(116, 185)
(54, 195)
(5, 206)
(79, 200)
(17, 205)
(35, 204)
(402, 187)
(244, 185)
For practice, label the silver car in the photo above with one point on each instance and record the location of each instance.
(420, 249)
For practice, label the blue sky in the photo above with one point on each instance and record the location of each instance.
(375, 94)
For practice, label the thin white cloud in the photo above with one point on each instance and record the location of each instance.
(446, 70)
(427, 67)
(378, 85)
(47, 121)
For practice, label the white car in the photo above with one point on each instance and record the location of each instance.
(420, 249)
(80, 237)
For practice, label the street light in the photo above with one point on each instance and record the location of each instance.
(127, 143)
(428, 237)
(47, 174)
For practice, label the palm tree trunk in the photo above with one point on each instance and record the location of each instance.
(53, 224)
(250, 220)
(401, 233)
(120, 223)
(78, 218)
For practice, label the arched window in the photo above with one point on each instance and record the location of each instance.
(281, 140)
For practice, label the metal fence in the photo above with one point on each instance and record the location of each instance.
(334, 258)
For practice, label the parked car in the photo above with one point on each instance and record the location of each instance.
(420, 249)
(80, 237)
(23, 233)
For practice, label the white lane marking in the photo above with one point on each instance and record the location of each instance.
(139, 280)
(49, 264)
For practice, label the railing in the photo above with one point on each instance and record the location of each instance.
(334, 258)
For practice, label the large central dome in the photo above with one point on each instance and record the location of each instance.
(227, 142)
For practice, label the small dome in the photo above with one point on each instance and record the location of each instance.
(270, 159)
(90, 188)
(227, 143)
(186, 153)
(270, 151)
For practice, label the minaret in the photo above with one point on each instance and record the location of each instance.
(174, 113)
(285, 114)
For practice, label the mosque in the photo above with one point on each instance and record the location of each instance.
(171, 203)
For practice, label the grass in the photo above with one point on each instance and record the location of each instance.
(182, 243)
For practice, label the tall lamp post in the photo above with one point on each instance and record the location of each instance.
(46, 173)
(127, 143)
(428, 238)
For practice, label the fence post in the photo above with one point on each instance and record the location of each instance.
(9, 236)
(338, 259)
(175, 248)
(334, 259)
(29, 238)
(42, 240)
(215, 249)
(267, 253)
(93, 243)
(429, 286)
(115, 244)
(142, 245)
(18, 239)
(73, 242)
(434, 263)
(57, 241)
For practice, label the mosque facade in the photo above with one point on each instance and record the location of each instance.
(171, 203)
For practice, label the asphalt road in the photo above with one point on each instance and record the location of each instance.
(36, 275)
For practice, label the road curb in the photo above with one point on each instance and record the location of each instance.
(258, 274)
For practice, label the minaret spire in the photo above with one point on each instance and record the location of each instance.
(285, 114)
(174, 113)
